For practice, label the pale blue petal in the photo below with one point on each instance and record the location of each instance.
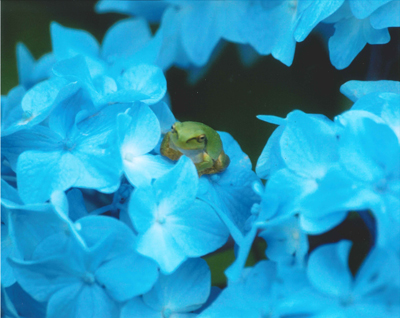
(354, 90)
(198, 230)
(43, 278)
(141, 170)
(142, 133)
(144, 79)
(152, 11)
(25, 64)
(184, 290)
(39, 174)
(159, 244)
(77, 208)
(386, 16)
(68, 42)
(328, 269)
(125, 38)
(308, 145)
(344, 45)
(87, 301)
(363, 8)
(127, 275)
(315, 13)
(271, 159)
(164, 116)
(177, 188)
(199, 32)
(143, 208)
(136, 308)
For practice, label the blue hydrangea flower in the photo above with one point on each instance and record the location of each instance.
(171, 224)
(368, 294)
(174, 295)
(102, 269)
(286, 242)
(66, 154)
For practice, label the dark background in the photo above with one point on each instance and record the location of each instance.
(229, 96)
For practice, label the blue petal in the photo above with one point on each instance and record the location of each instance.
(308, 145)
(271, 159)
(349, 39)
(315, 13)
(184, 290)
(198, 230)
(144, 79)
(177, 189)
(68, 42)
(125, 38)
(354, 90)
(159, 244)
(77, 208)
(136, 308)
(363, 8)
(39, 174)
(164, 116)
(200, 32)
(328, 269)
(127, 275)
(152, 11)
(365, 161)
(86, 301)
(25, 63)
(386, 16)
(43, 278)
(139, 131)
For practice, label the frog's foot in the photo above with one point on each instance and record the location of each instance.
(166, 149)
(219, 165)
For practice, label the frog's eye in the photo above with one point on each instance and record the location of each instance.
(173, 129)
(201, 138)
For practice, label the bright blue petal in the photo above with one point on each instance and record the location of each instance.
(159, 244)
(386, 16)
(308, 145)
(198, 229)
(139, 135)
(136, 308)
(363, 8)
(25, 63)
(315, 13)
(271, 159)
(200, 32)
(125, 38)
(87, 301)
(164, 115)
(184, 290)
(152, 11)
(349, 39)
(127, 276)
(77, 208)
(328, 269)
(69, 42)
(354, 90)
(177, 189)
(39, 174)
(42, 278)
(144, 79)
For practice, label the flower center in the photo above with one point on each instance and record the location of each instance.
(68, 144)
(88, 278)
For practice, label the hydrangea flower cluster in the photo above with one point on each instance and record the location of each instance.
(194, 28)
(97, 223)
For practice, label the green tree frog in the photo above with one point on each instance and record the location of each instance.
(199, 142)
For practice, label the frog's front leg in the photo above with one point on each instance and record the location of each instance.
(204, 165)
(166, 149)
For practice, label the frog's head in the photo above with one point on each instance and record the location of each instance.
(188, 135)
